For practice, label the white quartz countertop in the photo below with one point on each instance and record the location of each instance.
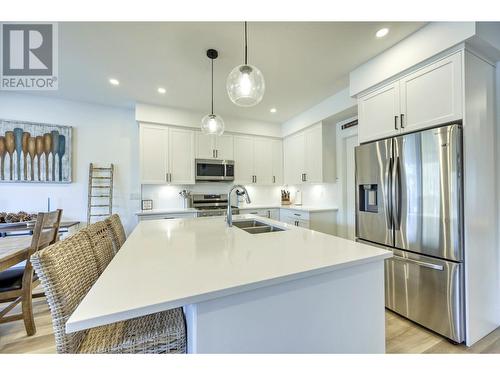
(171, 263)
(160, 211)
(163, 211)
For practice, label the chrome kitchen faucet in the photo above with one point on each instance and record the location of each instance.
(229, 215)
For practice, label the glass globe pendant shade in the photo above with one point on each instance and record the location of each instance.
(245, 85)
(212, 124)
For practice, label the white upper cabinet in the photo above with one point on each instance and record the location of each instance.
(224, 147)
(314, 155)
(258, 160)
(153, 154)
(263, 165)
(430, 96)
(243, 160)
(205, 146)
(214, 147)
(309, 156)
(378, 113)
(277, 162)
(181, 156)
(294, 155)
(166, 155)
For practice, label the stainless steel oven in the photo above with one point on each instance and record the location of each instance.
(214, 170)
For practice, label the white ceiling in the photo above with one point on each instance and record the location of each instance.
(302, 62)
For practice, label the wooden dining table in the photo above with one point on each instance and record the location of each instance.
(13, 250)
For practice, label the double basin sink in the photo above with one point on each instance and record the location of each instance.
(256, 227)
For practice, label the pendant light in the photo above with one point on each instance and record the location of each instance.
(245, 84)
(211, 123)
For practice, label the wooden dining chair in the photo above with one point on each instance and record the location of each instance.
(117, 231)
(17, 284)
(67, 271)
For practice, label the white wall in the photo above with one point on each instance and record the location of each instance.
(410, 51)
(180, 117)
(340, 104)
(101, 134)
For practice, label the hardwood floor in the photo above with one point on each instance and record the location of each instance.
(402, 336)
(13, 338)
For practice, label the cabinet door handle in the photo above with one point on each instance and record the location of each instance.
(297, 214)
(216, 153)
(255, 179)
(274, 179)
(170, 177)
(268, 214)
(166, 177)
(305, 177)
(213, 154)
(402, 123)
(396, 122)
(302, 177)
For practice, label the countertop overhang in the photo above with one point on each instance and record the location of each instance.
(171, 263)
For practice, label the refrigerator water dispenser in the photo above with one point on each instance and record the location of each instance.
(368, 197)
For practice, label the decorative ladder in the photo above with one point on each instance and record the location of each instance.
(100, 198)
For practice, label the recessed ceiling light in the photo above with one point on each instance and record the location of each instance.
(272, 110)
(161, 90)
(114, 81)
(382, 32)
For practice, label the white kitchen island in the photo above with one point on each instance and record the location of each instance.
(293, 291)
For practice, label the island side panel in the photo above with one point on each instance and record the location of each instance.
(336, 312)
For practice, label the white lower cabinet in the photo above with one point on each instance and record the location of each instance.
(320, 221)
(270, 213)
(295, 217)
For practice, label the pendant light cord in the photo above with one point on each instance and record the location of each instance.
(212, 86)
(246, 53)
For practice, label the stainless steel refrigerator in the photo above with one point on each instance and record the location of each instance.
(409, 200)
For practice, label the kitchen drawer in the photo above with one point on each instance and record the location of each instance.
(168, 216)
(271, 213)
(294, 217)
(293, 214)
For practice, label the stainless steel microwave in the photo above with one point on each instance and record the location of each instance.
(214, 170)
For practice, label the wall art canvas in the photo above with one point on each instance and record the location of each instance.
(35, 152)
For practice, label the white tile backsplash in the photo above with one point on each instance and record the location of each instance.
(317, 195)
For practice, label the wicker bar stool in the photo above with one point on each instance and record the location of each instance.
(101, 241)
(117, 232)
(67, 271)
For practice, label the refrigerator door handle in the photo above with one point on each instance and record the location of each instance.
(396, 194)
(437, 267)
(388, 201)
